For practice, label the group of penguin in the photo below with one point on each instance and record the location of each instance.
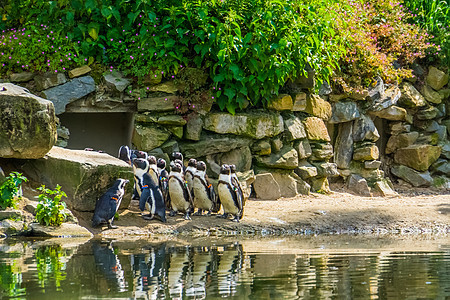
(182, 190)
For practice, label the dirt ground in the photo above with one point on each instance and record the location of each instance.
(413, 211)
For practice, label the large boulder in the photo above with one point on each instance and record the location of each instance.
(402, 140)
(287, 158)
(343, 153)
(411, 97)
(240, 157)
(412, 176)
(157, 103)
(27, 123)
(149, 136)
(364, 130)
(281, 102)
(83, 175)
(256, 124)
(418, 157)
(393, 113)
(266, 187)
(431, 95)
(294, 128)
(212, 144)
(316, 129)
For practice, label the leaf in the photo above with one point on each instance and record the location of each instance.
(230, 93)
(219, 77)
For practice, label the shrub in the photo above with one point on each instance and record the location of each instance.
(50, 210)
(10, 190)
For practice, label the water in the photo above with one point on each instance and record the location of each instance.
(323, 267)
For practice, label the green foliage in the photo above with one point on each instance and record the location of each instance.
(11, 280)
(50, 264)
(50, 210)
(10, 190)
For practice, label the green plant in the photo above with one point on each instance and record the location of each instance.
(50, 210)
(10, 190)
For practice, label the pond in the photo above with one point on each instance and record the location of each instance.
(302, 267)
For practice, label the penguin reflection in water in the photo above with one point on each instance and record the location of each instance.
(229, 195)
(180, 196)
(108, 204)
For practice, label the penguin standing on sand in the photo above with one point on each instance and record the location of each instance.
(153, 169)
(231, 203)
(237, 185)
(189, 173)
(203, 192)
(140, 167)
(152, 198)
(125, 154)
(108, 204)
(180, 197)
(163, 177)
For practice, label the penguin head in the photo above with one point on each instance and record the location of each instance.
(201, 166)
(161, 163)
(232, 169)
(122, 183)
(176, 167)
(140, 154)
(192, 163)
(140, 164)
(177, 155)
(151, 160)
(124, 154)
(225, 169)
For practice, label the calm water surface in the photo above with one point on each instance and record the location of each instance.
(264, 268)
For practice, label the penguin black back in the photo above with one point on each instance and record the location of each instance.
(152, 198)
(124, 154)
(108, 204)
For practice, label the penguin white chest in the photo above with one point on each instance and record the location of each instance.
(176, 192)
(226, 197)
(201, 199)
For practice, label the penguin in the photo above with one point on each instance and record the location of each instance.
(153, 169)
(125, 154)
(231, 203)
(180, 197)
(203, 192)
(152, 198)
(164, 181)
(108, 204)
(237, 185)
(137, 154)
(176, 155)
(140, 167)
(189, 173)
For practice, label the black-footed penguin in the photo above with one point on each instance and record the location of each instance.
(236, 184)
(164, 181)
(152, 198)
(153, 169)
(176, 155)
(138, 154)
(125, 154)
(140, 167)
(190, 172)
(180, 197)
(231, 203)
(203, 192)
(108, 204)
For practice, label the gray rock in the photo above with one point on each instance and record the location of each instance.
(321, 151)
(431, 95)
(364, 130)
(326, 169)
(64, 94)
(418, 157)
(286, 182)
(385, 188)
(168, 87)
(148, 137)
(157, 103)
(27, 123)
(433, 126)
(401, 141)
(318, 107)
(174, 120)
(393, 113)
(372, 164)
(358, 185)
(376, 92)
(344, 112)
(299, 102)
(427, 113)
(412, 176)
(49, 80)
(306, 170)
(116, 81)
(320, 185)
(303, 148)
(65, 230)
(294, 128)
(287, 158)
(383, 98)
(212, 144)
(436, 78)
(441, 166)
(240, 157)
(12, 228)
(169, 147)
(446, 150)
(411, 97)
(276, 144)
(442, 110)
(343, 153)
(303, 187)
(281, 102)
(21, 77)
(83, 175)
(325, 89)
(261, 147)
(316, 129)
(266, 187)
(11, 213)
(398, 127)
(194, 127)
(246, 179)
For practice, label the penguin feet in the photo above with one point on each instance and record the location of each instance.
(111, 226)
(187, 217)
(236, 219)
(199, 213)
(209, 213)
(224, 216)
(147, 217)
(172, 213)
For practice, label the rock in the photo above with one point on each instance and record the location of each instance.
(427, 113)
(398, 127)
(77, 72)
(168, 87)
(194, 128)
(376, 91)
(358, 185)
(431, 95)
(212, 144)
(261, 147)
(257, 124)
(372, 164)
(176, 130)
(445, 93)
(11, 213)
(364, 130)
(446, 123)
(266, 187)
(320, 185)
(149, 136)
(299, 102)
(306, 81)
(240, 157)
(66, 230)
(276, 144)
(418, 157)
(369, 152)
(281, 102)
(326, 169)
(442, 111)
(343, 153)
(63, 132)
(385, 188)
(116, 81)
(49, 80)
(83, 175)
(294, 128)
(303, 187)
(168, 147)
(401, 141)
(21, 77)
(162, 103)
(411, 97)
(393, 113)
(174, 120)
(64, 94)
(344, 112)
(436, 78)
(303, 148)
(13, 228)
(153, 77)
(441, 166)
(318, 107)
(306, 170)
(145, 118)
(412, 176)
(287, 158)
(389, 98)
(337, 97)
(286, 182)
(27, 123)
(321, 151)
(325, 89)
(359, 95)
(246, 179)
(316, 129)
(446, 150)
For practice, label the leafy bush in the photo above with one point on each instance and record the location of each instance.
(50, 210)
(10, 190)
